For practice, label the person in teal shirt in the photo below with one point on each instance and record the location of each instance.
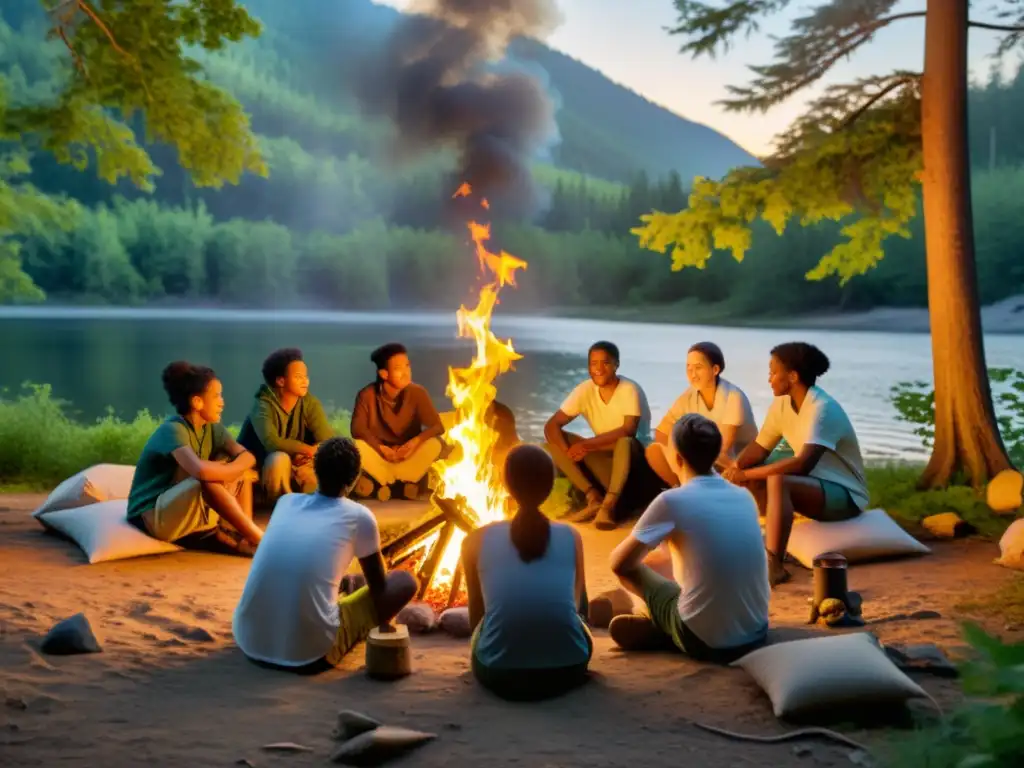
(527, 593)
(191, 481)
(285, 426)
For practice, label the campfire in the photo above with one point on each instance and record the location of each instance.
(468, 492)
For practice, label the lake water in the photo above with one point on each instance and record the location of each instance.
(106, 357)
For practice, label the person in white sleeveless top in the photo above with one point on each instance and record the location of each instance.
(527, 596)
(824, 479)
(616, 410)
(709, 395)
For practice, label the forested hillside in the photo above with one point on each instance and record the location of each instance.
(336, 225)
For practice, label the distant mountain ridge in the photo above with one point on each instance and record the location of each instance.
(607, 130)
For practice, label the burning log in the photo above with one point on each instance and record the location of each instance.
(442, 525)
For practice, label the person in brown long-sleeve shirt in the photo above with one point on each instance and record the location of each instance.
(395, 427)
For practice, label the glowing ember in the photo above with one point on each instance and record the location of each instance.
(467, 476)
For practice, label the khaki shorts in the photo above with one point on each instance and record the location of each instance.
(357, 618)
(180, 511)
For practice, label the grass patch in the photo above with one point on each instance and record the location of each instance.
(1005, 603)
(41, 445)
(894, 489)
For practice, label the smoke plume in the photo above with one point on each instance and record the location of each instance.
(438, 82)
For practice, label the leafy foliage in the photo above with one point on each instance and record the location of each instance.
(988, 731)
(853, 157)
(915, 404)
(62, 446)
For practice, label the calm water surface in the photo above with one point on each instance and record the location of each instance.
(100, 358)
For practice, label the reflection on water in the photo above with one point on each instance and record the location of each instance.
(100, 358)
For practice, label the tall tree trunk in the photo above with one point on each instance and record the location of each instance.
(966, 434)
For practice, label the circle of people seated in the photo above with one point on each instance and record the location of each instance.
(700, 486)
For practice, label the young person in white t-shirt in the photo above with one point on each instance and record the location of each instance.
(291, 615)
(716, 606)
(709, 395)
(615, 408)
(824, 479)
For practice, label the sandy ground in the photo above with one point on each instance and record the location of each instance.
(171, 688)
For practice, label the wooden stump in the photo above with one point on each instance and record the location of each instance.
(388, 654)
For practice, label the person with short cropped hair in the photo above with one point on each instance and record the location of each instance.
(396, 428)
(716, 606)
(290, 614)
(615, 408)
(824, 478)
(709, 395)
(285, 426)
(191, 484)
(527, 592)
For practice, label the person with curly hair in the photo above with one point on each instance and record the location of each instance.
(285, 426)
(191, 483)
(292, 614)
(824, 478)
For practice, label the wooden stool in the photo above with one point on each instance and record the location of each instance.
(388, 654)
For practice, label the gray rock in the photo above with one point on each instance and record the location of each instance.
(352, 724)
(380, 745)
(71, 636)
(418, 617)
(455, 621)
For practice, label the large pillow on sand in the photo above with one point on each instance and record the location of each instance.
(104, 533)
(869, 536)
(102, 482)
(1011, 547)
(833, 672)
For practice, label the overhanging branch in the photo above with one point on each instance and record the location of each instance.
(995, 27)
(882, 93)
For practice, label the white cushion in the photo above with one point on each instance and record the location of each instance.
(1011, 547)
(104, 533)
(805, 676)
(102, 482)
(869, 536)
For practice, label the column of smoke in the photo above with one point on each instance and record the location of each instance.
(436, 83)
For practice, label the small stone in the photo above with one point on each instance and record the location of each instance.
(352, 724)
(455, 621)
(923, 657)
(71, 636)
(418, 617)
(607, 605)
(285, 746)
(802, 750)
(861, 758)
(380, 745)
(1004, 491)
(948, 525)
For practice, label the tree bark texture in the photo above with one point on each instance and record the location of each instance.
(966, 434)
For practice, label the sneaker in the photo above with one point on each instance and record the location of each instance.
(364, 487)
(632, 632)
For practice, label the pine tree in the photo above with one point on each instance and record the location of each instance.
(127, 68)
(861, 155)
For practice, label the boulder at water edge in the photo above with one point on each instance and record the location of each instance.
(71, 636)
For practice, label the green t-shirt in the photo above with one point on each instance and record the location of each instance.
(156, 468)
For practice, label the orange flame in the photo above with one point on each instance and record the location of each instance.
(468, 475)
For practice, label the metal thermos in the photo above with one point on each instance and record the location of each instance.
(830, 577)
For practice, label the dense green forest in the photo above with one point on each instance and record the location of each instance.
(337, 225)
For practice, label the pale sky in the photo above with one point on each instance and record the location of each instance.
(626, 40)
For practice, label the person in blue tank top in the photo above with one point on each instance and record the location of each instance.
(527, 596)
